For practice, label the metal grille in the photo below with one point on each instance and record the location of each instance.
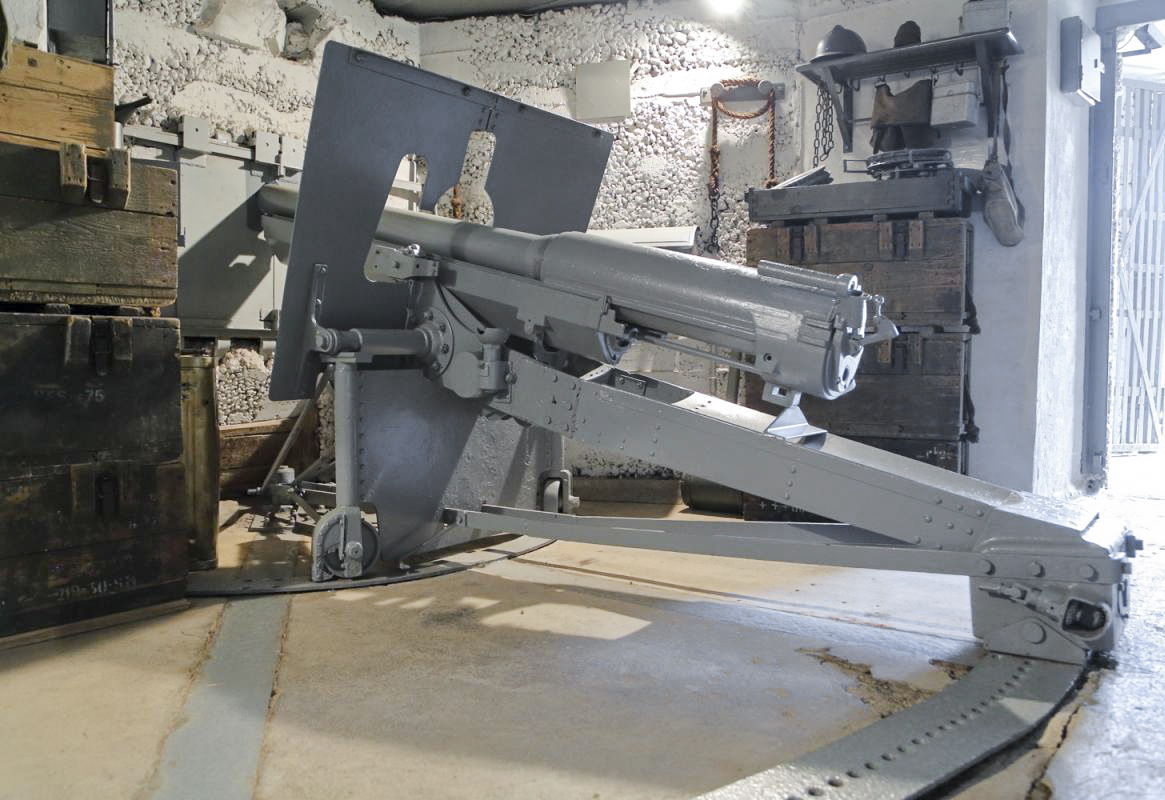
(1138, 375)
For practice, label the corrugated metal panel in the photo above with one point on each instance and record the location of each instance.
(1139, 359)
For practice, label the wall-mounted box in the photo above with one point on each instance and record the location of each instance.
(955, 104)
(985, 15)
(602, 91)
(1081, 69)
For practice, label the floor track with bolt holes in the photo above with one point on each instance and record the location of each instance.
(910, 752)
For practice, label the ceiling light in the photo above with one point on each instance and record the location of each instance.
(725, 8)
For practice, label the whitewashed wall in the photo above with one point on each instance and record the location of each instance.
(239, 89)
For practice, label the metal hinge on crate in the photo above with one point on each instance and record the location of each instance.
(105, 181)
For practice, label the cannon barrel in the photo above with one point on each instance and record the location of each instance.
(804, 329)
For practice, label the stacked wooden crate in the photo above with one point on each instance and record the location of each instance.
(93, 511)
(911, 395)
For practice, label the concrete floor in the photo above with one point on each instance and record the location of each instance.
(574, 671)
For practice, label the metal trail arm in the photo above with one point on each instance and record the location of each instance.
(1038, 568)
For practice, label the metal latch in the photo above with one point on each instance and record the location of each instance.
(106, 495)
(110, 344)
(631, 383)
(387, 263)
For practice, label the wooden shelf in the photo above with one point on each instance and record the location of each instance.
(984, 49)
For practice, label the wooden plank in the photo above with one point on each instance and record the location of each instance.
(54, 252)
(46, 144)
(247, 450)
(89, 625)
(894, 406)
(54, 117)
(848, 242)
(63, 586)
(948, 455)
(34, 174)
(913, 353)
(36, 69)
(911, 388)
(45, 510)
(943, 194)
(917, 292)
(262, 427)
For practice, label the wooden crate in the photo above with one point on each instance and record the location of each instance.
(912, 387)
(46, 99)
(82, 540)
(78, 388)
(920, 266)
(247, 450)
(950, 455)
(55, 248)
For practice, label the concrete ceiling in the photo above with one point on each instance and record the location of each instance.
(429, 10)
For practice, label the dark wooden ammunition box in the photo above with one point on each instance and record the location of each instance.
(920, 266)
(82, 540)
(950, 455)
(55, 249)
(911, 387)
(76, 389)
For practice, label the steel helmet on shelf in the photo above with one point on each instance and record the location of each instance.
(839, 42)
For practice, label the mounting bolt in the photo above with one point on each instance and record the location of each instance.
(511, 377)
(1087, 572)
(1034, 632)
(1035, 569)
(985, 566)
(354, 550)
(444, 348)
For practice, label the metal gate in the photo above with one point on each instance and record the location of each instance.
(1138, 374)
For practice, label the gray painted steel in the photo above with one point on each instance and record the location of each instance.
(215, 751)
(804, 330)
(917, 749)
(1067, 552)
(1101, 189)
(1138, 364)
(369, 113)
(231, 280)
(1098, 283)
(423, 449)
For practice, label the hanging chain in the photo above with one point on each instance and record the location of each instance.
(717, 204)
(823, 127)
(457, 203)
